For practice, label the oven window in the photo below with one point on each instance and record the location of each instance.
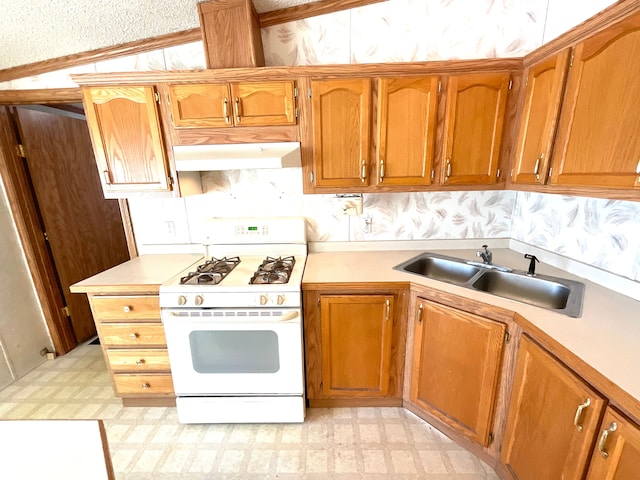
(231, 351)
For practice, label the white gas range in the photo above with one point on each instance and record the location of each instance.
(234, 324)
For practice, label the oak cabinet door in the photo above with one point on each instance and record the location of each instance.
(541, 109)
(407, 110)
(617, 453)
(552, 419)
(598, 143)
(263, 103)
(341, 123)
(456, 367)
(356, 336)
(473, 128)
(127, 139)
(200, 105)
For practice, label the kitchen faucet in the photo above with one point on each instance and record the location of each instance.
(487, 256)
(532, 264)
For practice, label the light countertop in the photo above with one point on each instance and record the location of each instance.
(139, 275)
(607, 336)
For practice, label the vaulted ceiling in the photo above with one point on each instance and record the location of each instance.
(36, 30)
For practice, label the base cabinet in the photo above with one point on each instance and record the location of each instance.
(354, 348)
(552, 419)
(457, 358)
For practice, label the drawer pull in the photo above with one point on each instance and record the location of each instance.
(127, 308)
(420, 314)
(145, 386)
(140, 362)
(603, 439)
(133, 336)
(578, 416)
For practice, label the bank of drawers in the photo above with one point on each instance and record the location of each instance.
(133, 340)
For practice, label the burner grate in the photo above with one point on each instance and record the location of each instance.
(211, 272)
(273, 270)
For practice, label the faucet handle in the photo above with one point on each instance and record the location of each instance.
(532, 264)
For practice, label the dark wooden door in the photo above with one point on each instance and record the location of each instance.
(84, 230)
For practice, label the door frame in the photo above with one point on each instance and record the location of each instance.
(26, 216)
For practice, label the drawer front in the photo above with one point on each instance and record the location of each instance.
(132, 334)
(142, 307)
(143, 384)
(139, 359)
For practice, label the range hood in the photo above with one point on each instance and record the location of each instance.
(242, 156)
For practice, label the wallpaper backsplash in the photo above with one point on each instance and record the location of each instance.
(598, 232)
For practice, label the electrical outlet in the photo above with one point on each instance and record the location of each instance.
(365, 223)
(170, 228)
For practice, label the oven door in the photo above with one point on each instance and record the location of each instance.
(231, 352)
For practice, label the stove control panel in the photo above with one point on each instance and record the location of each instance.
(232, 299)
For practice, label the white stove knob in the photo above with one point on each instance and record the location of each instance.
(263, 299)
(199, 300)
(280, 299)
(182, 300)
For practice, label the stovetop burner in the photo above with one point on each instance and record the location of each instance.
(211, 272)
(273, 270)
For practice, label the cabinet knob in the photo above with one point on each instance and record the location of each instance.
(578, 416)
(133, 336)
(603, 439)
(145, 386)
(140, 361)
(126, 308)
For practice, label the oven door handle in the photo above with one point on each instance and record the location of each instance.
(288, 316)
(285, 317)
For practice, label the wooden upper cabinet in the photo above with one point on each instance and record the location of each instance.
(356, 336)
(552, 419)
(598, 143)
(341, 124)
(127, 139)
(231, 34)
(473, 128)
(540, 112)
(407, 110)
(617, 452)
(457, 358)
(235, 104)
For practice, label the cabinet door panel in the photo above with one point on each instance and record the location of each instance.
(341, 123)
(265, 103)
(617, 453)
(456, 366)
(545, 85)
(473, 128)
(598, 142)
(406, 130)
(356, 344)
(125, 130)
(200, 105)
(541, 440)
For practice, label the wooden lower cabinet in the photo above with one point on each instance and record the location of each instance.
(354, 347)
(455, 374)
(134, 345)
(616, 455)
(552, 419)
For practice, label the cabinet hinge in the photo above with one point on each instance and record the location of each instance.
(309, 92)
(526, 81)
(21, 150)
(157, 97)
(439, 87)
(170, 180)
(66, 311)
(312, 177)
(490, 438)
(297, 112)
(510, 84)
(318, 302)
(507, 337)
(571, 60)
(550, 170)
(498, 173)
(295, 92)
(321, 387)
(46, 236)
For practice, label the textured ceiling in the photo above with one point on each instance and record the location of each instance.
(35, 30)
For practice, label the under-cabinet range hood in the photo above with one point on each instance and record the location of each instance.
(202, 158)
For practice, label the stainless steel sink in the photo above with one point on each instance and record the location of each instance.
(544, 291)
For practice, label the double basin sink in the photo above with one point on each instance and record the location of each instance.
(553, 293)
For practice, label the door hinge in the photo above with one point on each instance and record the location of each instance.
(309, 92)
(498, 173)
(526, 81)
(571, 60)
(321, 387)
(439, 87)
(490, 438)
(295, 92)
(21, 150)
(46, 236)
(550, 171)
(297, 112)
(157, 97)
(318, 302)
(507, 337)
(433, 174)
(510, 84)
(511, 175)
(66, 311)
(312, 177)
